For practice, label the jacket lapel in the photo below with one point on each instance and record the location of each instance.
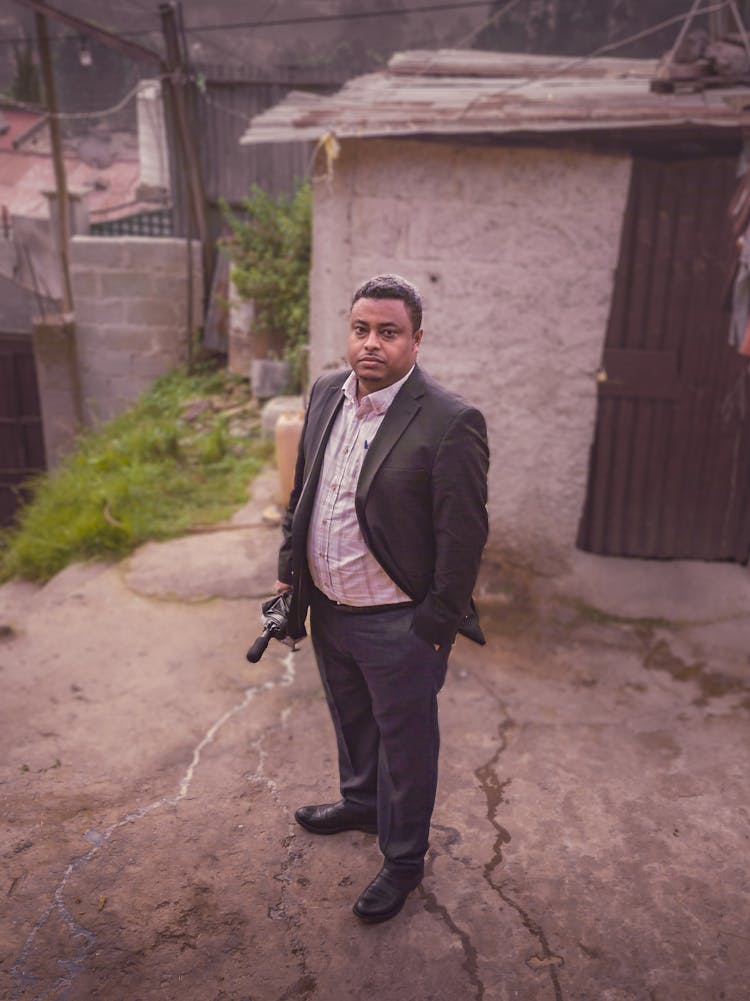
(329, 408)
(401, 413)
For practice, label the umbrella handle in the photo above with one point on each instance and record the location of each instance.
(258, 648)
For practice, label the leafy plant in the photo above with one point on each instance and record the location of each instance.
(151, 473)
(270, 253)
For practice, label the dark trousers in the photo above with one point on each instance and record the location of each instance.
(381, 683)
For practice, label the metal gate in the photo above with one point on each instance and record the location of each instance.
(21, 440)
(669, 474)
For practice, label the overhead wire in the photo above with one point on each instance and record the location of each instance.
(280, 22)
(577, 61)
(492, 19)
(561, 69)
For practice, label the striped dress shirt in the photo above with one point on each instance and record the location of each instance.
(341, 565)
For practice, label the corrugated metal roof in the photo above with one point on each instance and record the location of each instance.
(452, 92)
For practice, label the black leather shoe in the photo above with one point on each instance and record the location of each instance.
(332, 818)
(384, 897)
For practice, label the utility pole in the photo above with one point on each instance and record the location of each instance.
(63, 202)
(176, 85)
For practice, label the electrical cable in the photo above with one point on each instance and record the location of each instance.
(280, 22)
(602, 50)
(80, 115)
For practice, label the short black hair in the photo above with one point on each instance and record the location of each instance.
(393, 287)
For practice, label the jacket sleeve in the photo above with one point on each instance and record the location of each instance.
(459, 515)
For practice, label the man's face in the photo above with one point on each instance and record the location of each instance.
(382, 345)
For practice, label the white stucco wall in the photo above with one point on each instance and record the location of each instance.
(514, 251)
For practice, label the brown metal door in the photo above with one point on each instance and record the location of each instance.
(21, 441)
(669, 473)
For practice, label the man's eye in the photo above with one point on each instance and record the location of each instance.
(388, 334)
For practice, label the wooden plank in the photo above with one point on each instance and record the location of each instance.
(712, 446)
(472, 62)
(678, 281)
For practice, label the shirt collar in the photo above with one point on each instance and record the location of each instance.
(377, 402)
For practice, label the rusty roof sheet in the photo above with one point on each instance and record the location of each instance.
(450, 92)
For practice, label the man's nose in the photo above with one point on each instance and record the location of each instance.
(372, 341)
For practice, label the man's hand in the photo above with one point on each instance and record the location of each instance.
(281, 587)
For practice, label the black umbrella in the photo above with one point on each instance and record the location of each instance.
(275, 616)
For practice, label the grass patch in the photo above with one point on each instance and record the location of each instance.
(183, 454)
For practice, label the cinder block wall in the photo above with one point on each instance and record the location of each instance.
(130, 297)
(515, 251)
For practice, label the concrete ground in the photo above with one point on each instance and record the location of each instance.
(591, 838)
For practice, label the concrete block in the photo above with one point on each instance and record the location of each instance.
(269, 378)
(129, 284)
(86, 283)
(106, 362)
(155, 312)
(168, 339)
(98, 252)
(168, 285)
(98, 312)
(127, 340)
(147, 367)
(162, 253)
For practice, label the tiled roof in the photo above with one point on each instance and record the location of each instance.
(26, 172)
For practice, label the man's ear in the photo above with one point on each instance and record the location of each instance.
(417, 335)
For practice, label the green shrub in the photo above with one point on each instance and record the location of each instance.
(270, 253)
(148, 474)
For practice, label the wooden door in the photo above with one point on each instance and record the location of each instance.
(669, 473)
(21, 440)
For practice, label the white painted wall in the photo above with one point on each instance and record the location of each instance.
(514, 251)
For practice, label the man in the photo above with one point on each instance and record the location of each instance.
(382, 541)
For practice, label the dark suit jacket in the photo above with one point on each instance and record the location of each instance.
(420, 500)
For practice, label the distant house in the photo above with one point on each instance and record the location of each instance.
(568, 227)
(105, 177)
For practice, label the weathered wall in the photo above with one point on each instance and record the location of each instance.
(514, 251)
(57, 378)
(131, 313)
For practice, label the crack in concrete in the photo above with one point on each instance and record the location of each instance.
(471, 957)
(307, 982)
(494, 791)
(73, 966)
